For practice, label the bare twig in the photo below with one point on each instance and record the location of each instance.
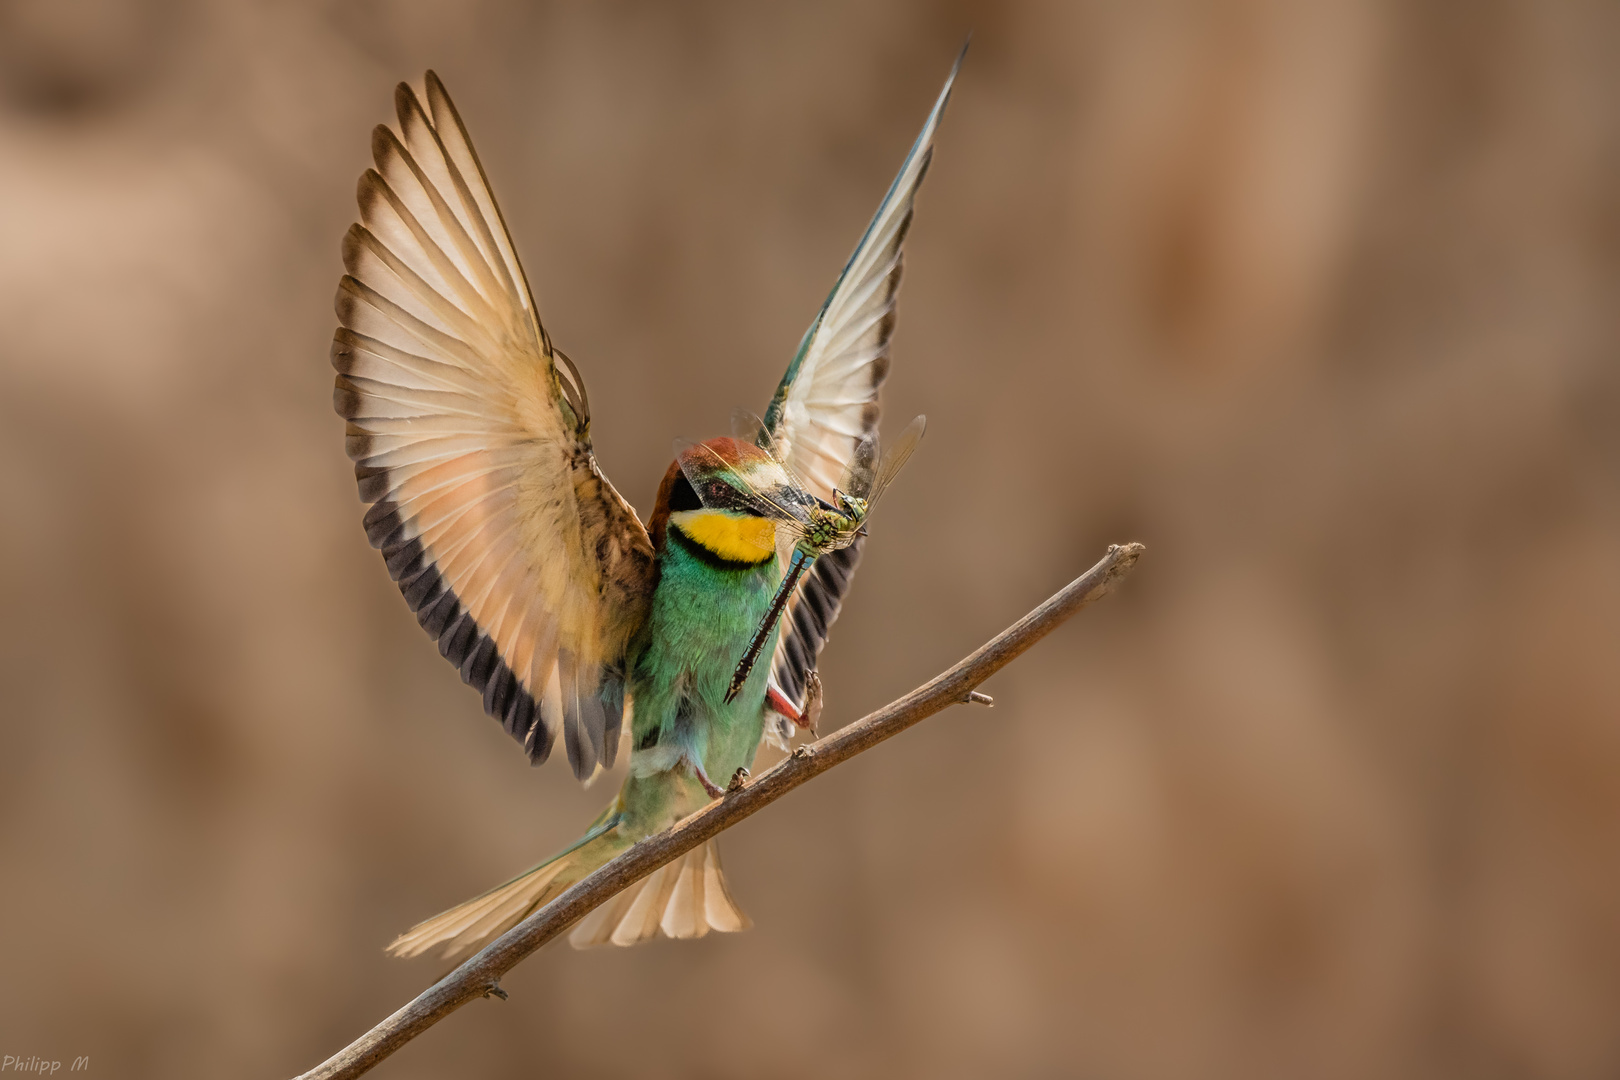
(480, 975)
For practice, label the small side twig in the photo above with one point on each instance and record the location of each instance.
(480, 975)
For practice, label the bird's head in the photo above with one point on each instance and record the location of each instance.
(711, 497)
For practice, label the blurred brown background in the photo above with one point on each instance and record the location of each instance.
(1316, 299)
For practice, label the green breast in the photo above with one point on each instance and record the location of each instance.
(703, 614)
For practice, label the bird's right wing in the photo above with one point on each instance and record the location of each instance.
(470, 436)
(827, 403)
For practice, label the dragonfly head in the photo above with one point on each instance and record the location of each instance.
(850, 506)
(829, 527)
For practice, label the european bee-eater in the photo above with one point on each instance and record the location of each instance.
(470, 436)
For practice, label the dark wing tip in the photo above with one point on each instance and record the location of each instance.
(408, 107)
(382, 139)
(405, 101)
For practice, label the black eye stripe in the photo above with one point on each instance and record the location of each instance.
(682, 497)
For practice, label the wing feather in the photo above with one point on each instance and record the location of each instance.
(471, 441)
(473, 188)
(808, 619)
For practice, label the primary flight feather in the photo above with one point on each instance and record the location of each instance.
(470, 436)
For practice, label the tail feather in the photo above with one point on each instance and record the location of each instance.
(683, 899)
(467, 926)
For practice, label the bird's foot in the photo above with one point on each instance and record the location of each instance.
(738, 779)
(810, 715)
(715, 790)
(805, 718)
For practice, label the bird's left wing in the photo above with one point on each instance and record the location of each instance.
(827, 403)
(470, 436)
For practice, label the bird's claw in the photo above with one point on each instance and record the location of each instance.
(810, 715)
(738, 779)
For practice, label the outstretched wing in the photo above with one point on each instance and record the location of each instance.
(827, 404)
(828, 400)
(470, 436)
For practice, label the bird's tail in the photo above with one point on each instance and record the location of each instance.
(683, 899)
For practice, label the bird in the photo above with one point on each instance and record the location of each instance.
(470, 435)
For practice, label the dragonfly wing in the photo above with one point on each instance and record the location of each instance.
(719, 486)
(746, 426)
(895, 458)
(470, 439)
(828, 400)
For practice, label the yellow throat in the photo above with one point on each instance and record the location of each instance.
(733, 537)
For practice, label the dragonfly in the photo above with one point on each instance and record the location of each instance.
(812, 526)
